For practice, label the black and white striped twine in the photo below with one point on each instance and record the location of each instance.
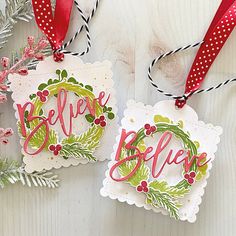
(185, 96)
(85, 25)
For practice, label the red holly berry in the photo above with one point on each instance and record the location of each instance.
(153, 129)
(45, 93)
(58, 147)
(55, 152)
(144, 183)
(148, 132)
(52, 147)
(139, 188)
(97, 121)
(102, 117)
(39, 93)
(147, 126)
(190, 181)
(192, 174)
(43, 99)
(103, 124)
(145, 189)
(186, 176)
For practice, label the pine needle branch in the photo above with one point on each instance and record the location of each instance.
(11, 172)
(15, 10)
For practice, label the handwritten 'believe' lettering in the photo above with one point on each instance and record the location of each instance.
(82, 106)
(181, 156)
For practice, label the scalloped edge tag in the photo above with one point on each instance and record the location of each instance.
(208, 136)
(98, 75)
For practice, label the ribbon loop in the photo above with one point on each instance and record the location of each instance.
(214, 40)
(55, 28)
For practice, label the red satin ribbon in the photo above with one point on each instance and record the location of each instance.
(54, 27)
(220, 29)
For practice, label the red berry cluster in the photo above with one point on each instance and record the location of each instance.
(143, 187)
(190, 177)
(149, 129)
(100, 121)
(43, 95)
(55, 149)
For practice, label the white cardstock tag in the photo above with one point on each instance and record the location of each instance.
(162, 159)
(66, 113)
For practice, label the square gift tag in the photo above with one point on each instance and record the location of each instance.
(161, 159)
(66, 113)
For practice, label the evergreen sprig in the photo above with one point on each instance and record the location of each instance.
(12, 172)
(15, 10)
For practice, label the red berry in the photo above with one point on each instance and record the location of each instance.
(186, 176)
(144, 183)
(153, 128)
(147, 126)
(145, 189)
(148, 132)
(52, 148)
(43, 99)
(55, 152)
(39, 93)
(58, 147)
(190, 180)
(97, 121)
(139, 188)
(45, 93)
(103, 123)
(192, 174)
(102, 117)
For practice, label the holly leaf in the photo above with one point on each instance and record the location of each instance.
(42, 86)
(90, 88)
(64, 74)
(110, 116)
(89, 118)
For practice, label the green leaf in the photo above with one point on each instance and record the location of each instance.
(64, 74)
(76, 150)
(159, 118)
(111, 116)
(42, 87)
(55, 81)
(50, 81)
(105, 109)
(89, 118)
(32, 96)
(72, 80)
(58, 72)
(81, 84)
(41, 112)
(109, 108)
(90, 88)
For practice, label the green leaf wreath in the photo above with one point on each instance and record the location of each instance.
(160, 193)
(79, 146)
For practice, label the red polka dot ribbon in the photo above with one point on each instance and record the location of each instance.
(215, 38)
(54, 27)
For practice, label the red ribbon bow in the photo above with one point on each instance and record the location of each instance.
(220, 29)
(54, 27)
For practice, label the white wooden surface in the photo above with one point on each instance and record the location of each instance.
(130, 33)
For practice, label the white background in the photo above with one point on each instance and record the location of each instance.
(131, 33)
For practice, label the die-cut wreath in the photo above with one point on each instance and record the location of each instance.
(76, 146)
(160, 193)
